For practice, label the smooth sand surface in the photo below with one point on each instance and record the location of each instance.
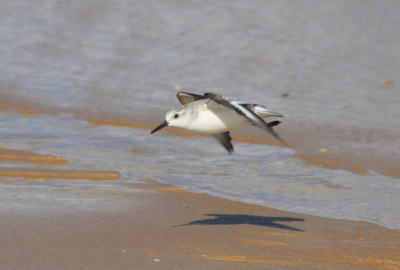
(165, 227)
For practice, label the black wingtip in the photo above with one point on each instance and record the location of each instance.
(274, 123)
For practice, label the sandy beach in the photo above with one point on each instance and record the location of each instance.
(166, 227)
(83, 184)
(150, 225)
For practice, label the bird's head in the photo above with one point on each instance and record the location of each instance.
(177, 117)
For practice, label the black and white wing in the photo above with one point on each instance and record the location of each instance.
(185, 98)
(225, 140)
(260, 110)
(245, 112)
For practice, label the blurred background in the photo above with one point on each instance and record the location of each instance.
(332, 68)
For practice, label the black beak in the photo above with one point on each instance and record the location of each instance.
(163, 124)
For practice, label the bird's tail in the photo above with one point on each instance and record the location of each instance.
(263, 112)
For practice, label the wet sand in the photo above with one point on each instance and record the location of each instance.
(165, 227)
(150, 225)
(28, 156)
(28, 173)
(333, 146)
(332, 70)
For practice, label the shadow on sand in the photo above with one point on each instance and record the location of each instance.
(223, 219)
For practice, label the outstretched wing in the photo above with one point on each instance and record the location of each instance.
(260, 110)
(245, 112)
(185, 98)
(225, 140)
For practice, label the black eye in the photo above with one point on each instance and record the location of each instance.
(176, 115)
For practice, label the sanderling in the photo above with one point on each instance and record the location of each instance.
(217, 116)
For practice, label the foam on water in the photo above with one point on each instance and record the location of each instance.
(257, 174)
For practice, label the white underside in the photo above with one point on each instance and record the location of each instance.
(217, 122)
(214, 118)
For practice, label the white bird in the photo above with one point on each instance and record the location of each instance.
(217, 116)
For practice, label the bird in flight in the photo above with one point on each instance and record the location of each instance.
(217, 116)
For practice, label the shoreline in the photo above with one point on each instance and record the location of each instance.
(161, 225)
(54, 220)
(318, 153)
(316, 156)
(84, 184)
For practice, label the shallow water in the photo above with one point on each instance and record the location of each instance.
(338, 63)
(258, 174)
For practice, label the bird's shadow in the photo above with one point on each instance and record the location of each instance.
(225, 219)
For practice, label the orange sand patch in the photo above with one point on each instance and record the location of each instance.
(64, 174)
(389, 82)
(172, 189)
(27, 156)
(18, 109)
(274, 243)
